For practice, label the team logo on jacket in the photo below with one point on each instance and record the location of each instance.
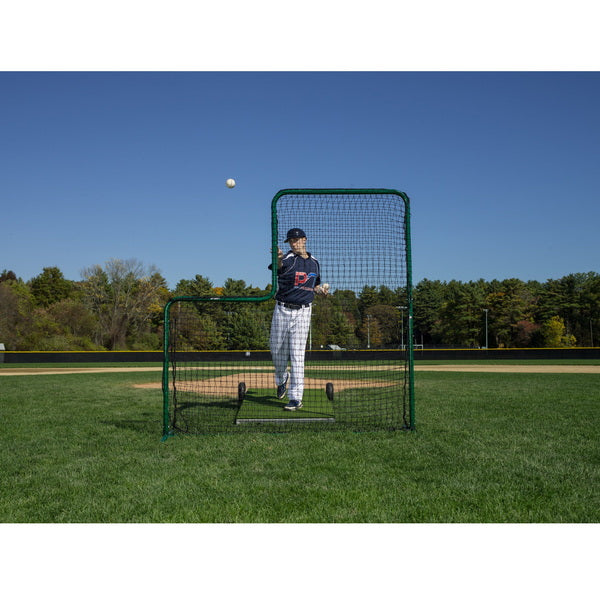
(302, 278)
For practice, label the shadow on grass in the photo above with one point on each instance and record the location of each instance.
(151, 425)
(264, 400)
(229, 403)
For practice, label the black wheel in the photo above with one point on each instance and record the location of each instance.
(241, 391)
(329, 390)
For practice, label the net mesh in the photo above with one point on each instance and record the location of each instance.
(329, 350)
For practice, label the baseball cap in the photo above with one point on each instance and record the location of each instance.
(294, 233)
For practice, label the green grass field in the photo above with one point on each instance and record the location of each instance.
(489, 448)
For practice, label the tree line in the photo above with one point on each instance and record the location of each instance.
(119, 306)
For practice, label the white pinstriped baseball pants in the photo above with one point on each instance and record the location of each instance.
(289, 332)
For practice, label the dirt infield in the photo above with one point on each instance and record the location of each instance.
(455, 368)
(229, 383)
(74, 370)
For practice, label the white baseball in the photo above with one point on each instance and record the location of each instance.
(230, 183)
(325, 286)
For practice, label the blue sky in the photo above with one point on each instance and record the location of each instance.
(501, 167)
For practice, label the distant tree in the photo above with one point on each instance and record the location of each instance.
(428, 299)
(120, 295)
(197, 331)
(149, 335)
(511, 304)
(589, 308)
(246, 331)
(370, 332)
(9, 316)
(237, 288)
(207, 334)
(7, 276)
(74, 318)
(554, 334)
(121, 305)
(461, 314)
(50, 286)
(341, 331)
(199, 286)
(322, 316)
(346, 300)
(388, 322)
(16, 314)
(45, 333)
(575, 298)
(524, 333)
(368, 297)
(387, 296)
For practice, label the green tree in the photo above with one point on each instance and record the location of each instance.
(428, 300)
(16, 314)
(50, 286)
(370, 332)
(461, 316)
(199, 286)
(387, 296)
(48, 334)
(237, 288)
(9, 316)
(389, 324)
(590, 310)
(196, 331)
(511, 304)
(76, 321)
(330, 324)
(580, 303)
(321, 320)
(120, 296)
(45, 333)
(346, 301)
(341, 331)
(7, 276)
(246, 331)
(368, 297)
(554, 334)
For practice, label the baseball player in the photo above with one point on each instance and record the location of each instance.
(299, 278)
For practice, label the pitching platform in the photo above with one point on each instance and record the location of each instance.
(261, 406)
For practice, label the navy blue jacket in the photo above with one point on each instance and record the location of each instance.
(297, 278)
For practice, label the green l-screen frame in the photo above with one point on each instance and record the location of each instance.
(358, 372)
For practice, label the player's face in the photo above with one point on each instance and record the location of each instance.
(298, 245)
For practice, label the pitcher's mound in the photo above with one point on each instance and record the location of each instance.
(228, 384)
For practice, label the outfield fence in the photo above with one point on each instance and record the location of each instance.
(127, 356)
